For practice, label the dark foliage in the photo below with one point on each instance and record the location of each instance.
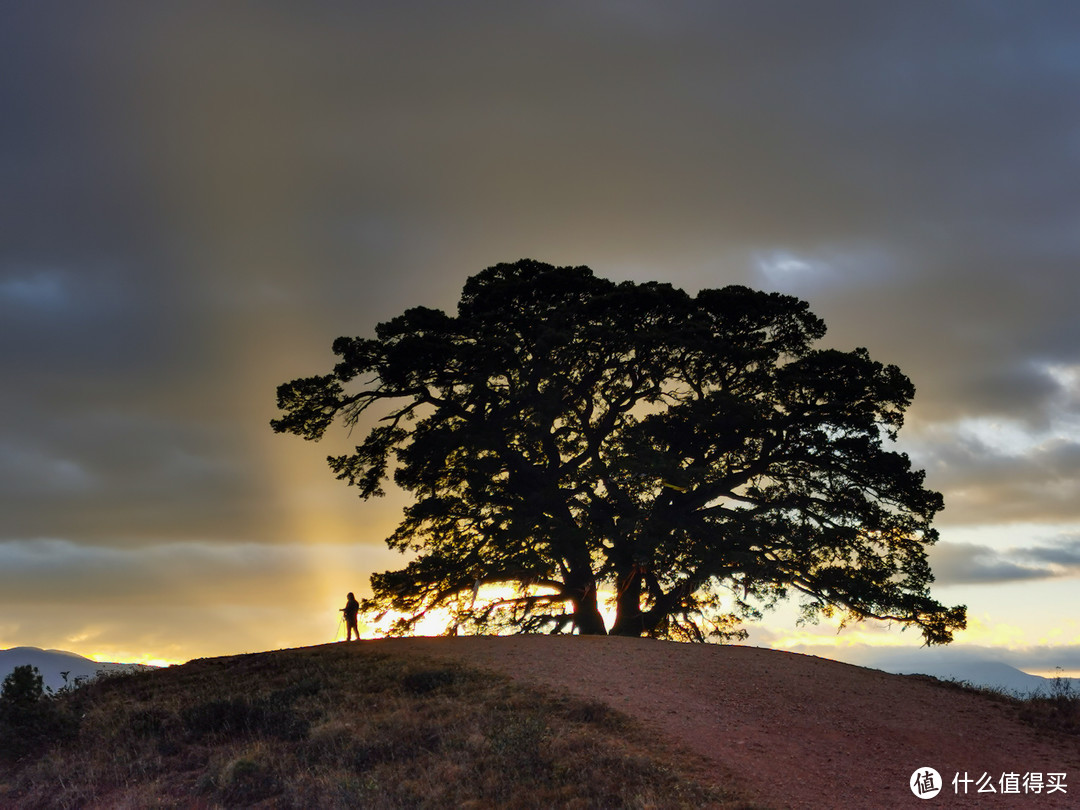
(30, 719)
(23, 689)
(696, 456)
(428, 680)
(244, 716)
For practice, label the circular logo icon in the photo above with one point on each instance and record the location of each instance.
(925, 783)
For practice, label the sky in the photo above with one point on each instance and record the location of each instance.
(197, 198)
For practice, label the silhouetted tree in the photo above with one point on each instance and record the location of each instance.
(22, 689)
(29, 716)
(694, 456)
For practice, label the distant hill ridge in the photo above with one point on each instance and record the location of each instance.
(961, 665)
(53, 663)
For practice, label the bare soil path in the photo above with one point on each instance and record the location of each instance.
(792, 731)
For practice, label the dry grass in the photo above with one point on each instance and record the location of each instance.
(345, 726)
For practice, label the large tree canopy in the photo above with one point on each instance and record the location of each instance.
(690, 458)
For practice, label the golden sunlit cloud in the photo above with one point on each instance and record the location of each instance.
(129, 657)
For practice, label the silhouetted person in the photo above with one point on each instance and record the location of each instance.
(352, 607)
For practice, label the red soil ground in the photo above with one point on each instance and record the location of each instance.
(790, 730)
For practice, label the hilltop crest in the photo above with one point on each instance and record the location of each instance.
(531, 721)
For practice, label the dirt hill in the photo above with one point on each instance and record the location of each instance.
(794, 730)
(534, 721)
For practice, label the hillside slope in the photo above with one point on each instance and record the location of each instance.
(792, 730)
(337, 726)
(532, 722)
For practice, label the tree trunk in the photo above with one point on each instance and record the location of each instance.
(587, 616)
(629, 620)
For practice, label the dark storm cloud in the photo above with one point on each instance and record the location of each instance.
(196, 198)
(915, 128)
(797, 125)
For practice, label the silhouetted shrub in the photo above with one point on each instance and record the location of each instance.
(148, 722)
(242, 716)
(248, 779)
(29, 718)
(595, 712)
(22, 689)
(309, 687)
(423, 681)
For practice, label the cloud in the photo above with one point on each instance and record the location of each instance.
(1065, 553)
(174, 573)
(967, 564)
(177, 600)
(198, 198)
(41, 290)
(955, 563)
(999, 470)
(111, 476)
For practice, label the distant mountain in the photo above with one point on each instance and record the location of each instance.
(51, 663)
(960, 666)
